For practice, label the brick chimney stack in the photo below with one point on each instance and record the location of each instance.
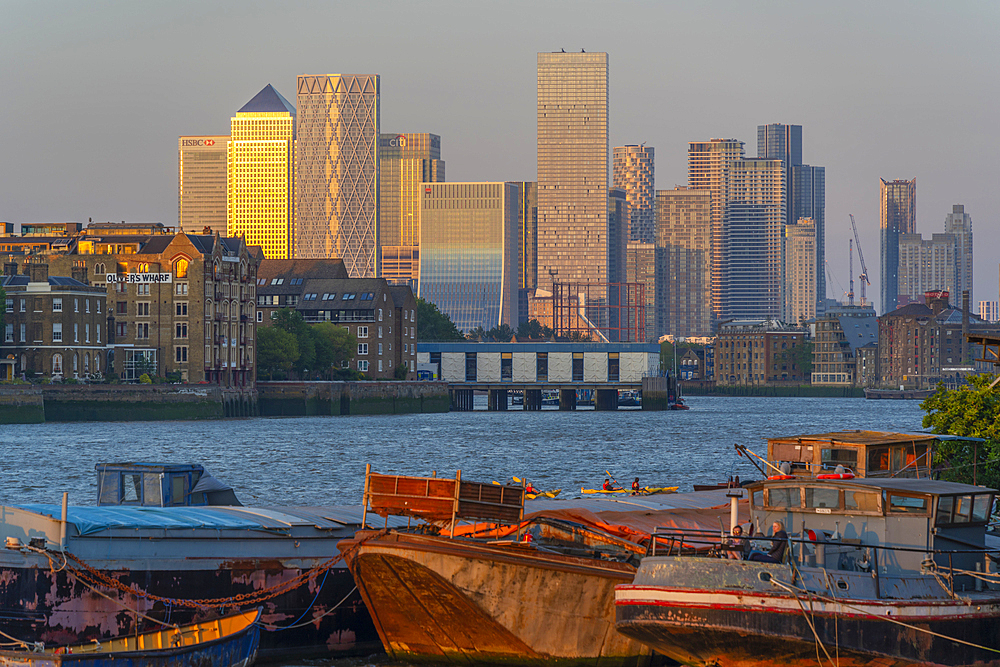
(79, 272)
(38, 272)
(10, 268)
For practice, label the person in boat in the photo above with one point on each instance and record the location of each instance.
(738, 544)
(529, 488)
(635, 486)
(778, 545)
(607, 485)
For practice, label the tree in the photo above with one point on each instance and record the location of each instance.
(533, 329)
(432, 324)
(334, 345)
(401, 371)
(971, 411)
(277, 350)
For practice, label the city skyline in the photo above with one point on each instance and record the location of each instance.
(113, 157)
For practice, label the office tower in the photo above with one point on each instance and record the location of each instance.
(754, 247)
(618, 226)
(337, 170)
(899, 216)
(683, 265)
(989, 310)
(959, 224)
(201, 183)
(261, 174)
(405, 161)
(925, 265)
(633, 172)
(573, 168)
(527, 243)
(778, 141)
(468, 252)
(800, 271)
(640, 267)
(707, 165)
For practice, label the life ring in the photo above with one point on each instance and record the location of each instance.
(843, 475)
(782, 477)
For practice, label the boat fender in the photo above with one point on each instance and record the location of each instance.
(843, 475)
(782, 477)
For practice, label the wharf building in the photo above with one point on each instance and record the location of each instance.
(800, 271)
(573, 238)
(202, 177)
(469, 252)
(899, 216)
(697, 364)
(758, 353)
(925, 265)
(840, 336)
(176, 304)
(683, 264)
(54, 326)
(337, 170)
(708, 165)
(633, 172)
(754, 222)
(405, 162)
(958, 223)
(922, 344)
(261, 174)
(381, 316)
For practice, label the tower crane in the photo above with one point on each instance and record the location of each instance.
(864, 270)
(850, 270)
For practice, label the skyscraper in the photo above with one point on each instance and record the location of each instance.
(899, 216)
(926, 265)
(959, 224)
(683, 264)
(633, 173)
(468, 252)
(261, 168)
(573, 168)
(640, 267)
(337, 170)
(405, 161)
(754, 231)
(800, 271)
(201, 183)
(708, 162)
(527, 243)
(778, 141)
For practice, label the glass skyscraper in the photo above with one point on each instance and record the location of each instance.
(405, 161)
(683, 247)
(261, 168)
(201, 183)
(633, 173)
(469, 252)
(572, 168)
(899, 216)
(337, 170)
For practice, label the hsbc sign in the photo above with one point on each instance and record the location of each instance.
(198, 142)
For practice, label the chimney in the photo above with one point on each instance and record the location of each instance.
(79, 273)
(965, 326)
(10, 268)
(39, 272)
(936, 300)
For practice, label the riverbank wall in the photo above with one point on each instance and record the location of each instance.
(21, 404)
(798, 391)
(281, 399)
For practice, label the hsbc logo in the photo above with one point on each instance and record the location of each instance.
(197, 142)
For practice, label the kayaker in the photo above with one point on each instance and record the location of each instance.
(528, 488)
(635, 486)
(607, 485)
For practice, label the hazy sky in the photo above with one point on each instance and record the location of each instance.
(95, 94)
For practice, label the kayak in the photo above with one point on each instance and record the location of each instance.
(543, 494)
(645, 491)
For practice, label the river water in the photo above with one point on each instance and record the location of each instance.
(321, 460)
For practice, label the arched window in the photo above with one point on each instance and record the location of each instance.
(76, 363)
(181, 268)
(97, 362)
(57, 364)
(86, 363)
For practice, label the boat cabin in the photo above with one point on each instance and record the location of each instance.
(919, 514)
(865, 453)
(160, 485)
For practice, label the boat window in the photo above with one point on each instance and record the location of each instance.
(878, 459)
(907, 504)
(832, 457)
(786, 497)
(963, 509)
(758, 498)
(981, 507)
(131, 487)
(822, 497)
(178, 489)
(945, 505)
(861, 501)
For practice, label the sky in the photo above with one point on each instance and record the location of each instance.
(96, 93)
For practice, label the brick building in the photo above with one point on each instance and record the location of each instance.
(839, 334)
(381, 316)
(758, 352)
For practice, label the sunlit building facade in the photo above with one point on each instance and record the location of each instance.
(899, 216)
(468, 252)
(337, 179)
(959, 224)
(925, 265)
(261, 174)
(684, 278)
(527, 243)
(633, 172)
(640, 267)
(800, 271)
(201, 183)
(405, 161)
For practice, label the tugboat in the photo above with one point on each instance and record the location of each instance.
(880, 571)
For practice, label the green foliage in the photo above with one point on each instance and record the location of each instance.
(310, 350)
(145, 379)
(533, 329)
(401, 371)
(972, 411)
(277, 350)
(667, 353)
(432, 324)
(334, 345)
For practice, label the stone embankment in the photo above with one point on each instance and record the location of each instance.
(351, 398)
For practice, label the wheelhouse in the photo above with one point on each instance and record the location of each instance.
(160, 485)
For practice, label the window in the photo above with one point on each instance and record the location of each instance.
(380, 349)
(86, 332)
(309, 297)
(24, 305)
(362, 332)
(379, 314)
(822, 497)
(260, 315)
(10, 305)
(831, 458)
(76, 334)
(348, 296)
(380, 332)
(181, 289)
(181, 308)
(142, 309)
(362, 349)
(363, 365)
(142, 330)
(367, 296)
(181, 354)
(181, 330)
(294, 281)
(57, 332)
(24, 333)
(8, 335)
(88, 305)
(907, 504)
(121, 329)
(56, 305)
(277, 281)
(57, 364)
(142, 290)
(787, 497)
(131, 488)
(181, 268)
(379, 365)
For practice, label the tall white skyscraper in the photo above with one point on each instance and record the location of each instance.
(633, 173)
(959, 224)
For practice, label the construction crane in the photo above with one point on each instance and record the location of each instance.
(864, 270)
(850, 270)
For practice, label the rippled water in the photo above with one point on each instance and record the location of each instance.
(321, 460)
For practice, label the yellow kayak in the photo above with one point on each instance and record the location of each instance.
(645, 491)
(543, 494)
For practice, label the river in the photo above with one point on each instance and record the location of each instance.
(321, 460)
